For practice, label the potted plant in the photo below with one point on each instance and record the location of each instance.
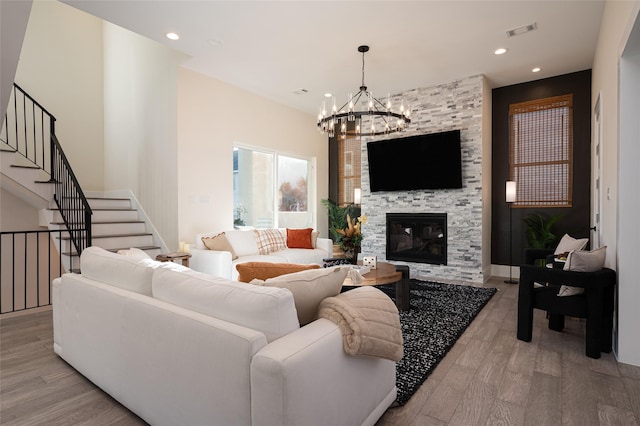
(351, 237)
(538, 230)
(343, 230)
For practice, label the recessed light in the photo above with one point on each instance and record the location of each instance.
(536, 69)
(173, 36)
(328, 95)
(500, 51)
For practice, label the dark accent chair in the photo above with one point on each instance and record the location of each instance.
(595, 304)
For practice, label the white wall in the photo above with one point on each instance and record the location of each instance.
(16, 214)
(629, 201)
(616, 26)
(212, 116)
(14, 16)
(61, 67)
(140, 125)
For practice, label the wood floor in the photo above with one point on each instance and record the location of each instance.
(488, 378)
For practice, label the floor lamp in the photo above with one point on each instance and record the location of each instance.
(510, 196)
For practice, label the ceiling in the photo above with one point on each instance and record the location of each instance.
(278, 48)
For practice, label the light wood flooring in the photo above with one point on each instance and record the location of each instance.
(488, 378)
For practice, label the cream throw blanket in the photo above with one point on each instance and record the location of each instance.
(369, 322)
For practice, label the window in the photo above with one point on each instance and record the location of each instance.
(348, 170)
(541, 151)
(270, 190)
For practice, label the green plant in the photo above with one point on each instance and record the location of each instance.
(338, 217)
(538, 230)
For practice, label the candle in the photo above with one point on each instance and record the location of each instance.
(181, 249)
(187, 248)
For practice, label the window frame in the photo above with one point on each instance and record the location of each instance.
(275, 158)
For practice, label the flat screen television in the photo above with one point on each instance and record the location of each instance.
(430, 161)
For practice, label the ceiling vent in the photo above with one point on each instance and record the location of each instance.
(300, 91)
(522, 30)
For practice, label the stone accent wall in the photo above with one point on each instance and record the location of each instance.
(451, 106)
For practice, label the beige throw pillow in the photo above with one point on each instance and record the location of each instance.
(582, 261)
(568, 243)
(219, 243)
(134, 252)
(309, 288)
(586, 261)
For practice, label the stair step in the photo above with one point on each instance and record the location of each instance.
(112, 227)
(24, 166)
(113, 241)
(105, 222)
(93, 237)
(51, 181)
(104, 215)
(109, 203)
(115, 250)
(100, 209)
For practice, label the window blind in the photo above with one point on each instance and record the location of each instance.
(541, 151)
(349, 169)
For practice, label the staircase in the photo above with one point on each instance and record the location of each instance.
(34, 168)
(115, 225)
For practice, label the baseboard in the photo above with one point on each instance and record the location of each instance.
(503, 271)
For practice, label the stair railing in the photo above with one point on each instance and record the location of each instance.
(72, 204)
(29, 129)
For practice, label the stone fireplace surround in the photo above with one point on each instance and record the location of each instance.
(450, 106)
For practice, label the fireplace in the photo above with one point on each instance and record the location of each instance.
(417, 237)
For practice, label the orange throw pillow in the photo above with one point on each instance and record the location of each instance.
(264, 270)
(299, 238)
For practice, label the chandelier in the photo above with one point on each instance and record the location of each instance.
(375, 118)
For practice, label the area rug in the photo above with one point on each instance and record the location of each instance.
(439, 315)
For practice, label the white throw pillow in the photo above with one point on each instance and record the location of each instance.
(309, 288)
(242, 242)
(582, 261)
(268, 310)
(568, 243)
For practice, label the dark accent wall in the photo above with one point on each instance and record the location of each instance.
(576, 219)
(334, 155)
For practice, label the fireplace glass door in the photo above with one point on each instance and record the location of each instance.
(417, 237)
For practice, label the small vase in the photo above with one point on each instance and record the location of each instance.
(351, 254)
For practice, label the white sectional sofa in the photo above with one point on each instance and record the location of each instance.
(244, 245)
(179, 347)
